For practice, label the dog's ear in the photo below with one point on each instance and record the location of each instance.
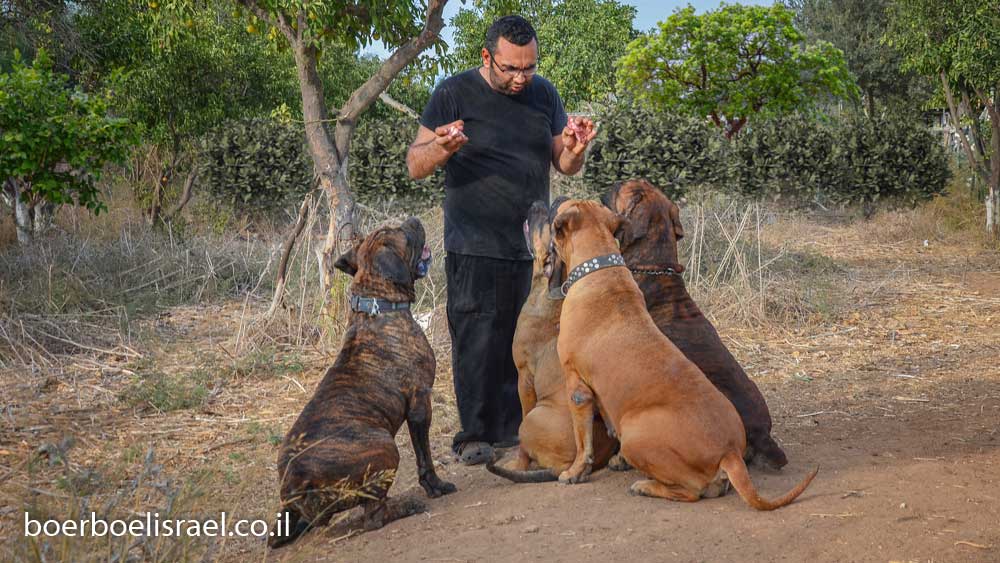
(390, 266)
(554, 207)
(348, 262)
(675, 220)
(554, 267)
(620, 227)
(608, 197)
(564, 220)
(636, 221)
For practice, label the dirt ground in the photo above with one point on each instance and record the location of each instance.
(896, 399)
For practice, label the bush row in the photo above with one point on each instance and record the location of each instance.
(260, 165)
(853, 159)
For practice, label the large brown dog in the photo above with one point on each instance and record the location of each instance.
(673, 424)
(649, 245)
(546, 431)
(341, 451)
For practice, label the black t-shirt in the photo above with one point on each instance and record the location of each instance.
(492, 180)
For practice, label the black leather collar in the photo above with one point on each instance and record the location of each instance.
(591, 266)
(665, 270)
(374, 306)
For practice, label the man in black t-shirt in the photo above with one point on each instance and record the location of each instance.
(496, 130)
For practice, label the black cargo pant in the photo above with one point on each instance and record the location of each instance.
(485, 296)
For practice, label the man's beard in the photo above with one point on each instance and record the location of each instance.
(504, 88)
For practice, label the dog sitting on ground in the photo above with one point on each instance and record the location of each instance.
(649, 245)
(546, 432)
(341, 451)
(673, 424)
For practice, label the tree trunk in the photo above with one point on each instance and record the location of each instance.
(161, 183)
(329, 163)
(993, 195)
(23, 222)
(993, 213)
(41, 217)
(185, 196)
(330, 153)
(976, 160)
(734, 127)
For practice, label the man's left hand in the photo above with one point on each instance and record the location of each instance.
(577, 134)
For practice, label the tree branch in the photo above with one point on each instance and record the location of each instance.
(672, 75)
(977, 164)
(990, 108)
(366, 94)
(397, 105)
(185, 196)
(973, 116)
(286, 252)
(263, 15)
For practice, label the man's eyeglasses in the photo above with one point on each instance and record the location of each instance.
(511, 71)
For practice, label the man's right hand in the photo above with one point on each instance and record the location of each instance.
(432, 149)
(451, 136)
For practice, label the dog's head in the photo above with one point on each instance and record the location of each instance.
(653, 223)
(583, 225)
(537, 234)
(387, 262)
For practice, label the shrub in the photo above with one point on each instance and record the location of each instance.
(802, 159)
(378, 170)
(673, 152)
(256, 165)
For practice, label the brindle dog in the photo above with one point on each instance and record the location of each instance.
(341, 451)
(546, 431)
(649, 244)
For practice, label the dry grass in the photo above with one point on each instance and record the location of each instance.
(138, 374)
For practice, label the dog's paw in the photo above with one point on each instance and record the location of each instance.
(436, 487)
(568, 477)
(618, 463)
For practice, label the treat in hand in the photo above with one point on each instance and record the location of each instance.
(578, 128)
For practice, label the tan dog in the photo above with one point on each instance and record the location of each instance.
(649, 245)
(673, 424)
(546, 431)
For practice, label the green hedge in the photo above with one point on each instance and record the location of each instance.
(854, 159)
(378, 166)
(261, 165)
(891, 159)
(670, 151)
(256, 165)
(791, 158)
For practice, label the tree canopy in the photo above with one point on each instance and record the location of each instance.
(732, 64)
(54, 140)
(958, 44)
(857, 27)
(578, 41)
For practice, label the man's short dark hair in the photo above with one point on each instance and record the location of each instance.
(515, 29)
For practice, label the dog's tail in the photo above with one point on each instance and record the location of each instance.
(526, 476)
(734, 466)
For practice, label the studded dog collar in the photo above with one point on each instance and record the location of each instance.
(373, 305)
(591, 266)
